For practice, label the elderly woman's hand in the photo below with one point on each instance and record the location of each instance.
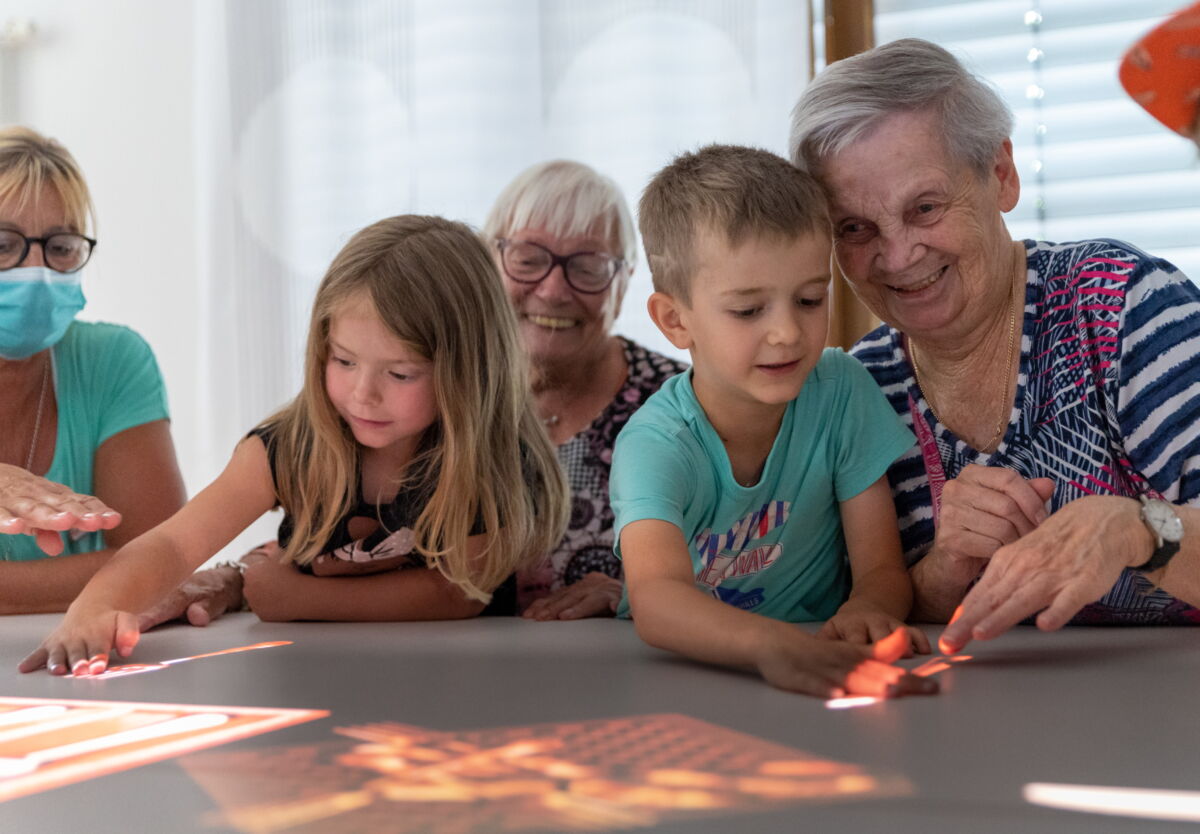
(596, 595)
(201, 598)
(41, 508)
(1072, 559)
(987, 507)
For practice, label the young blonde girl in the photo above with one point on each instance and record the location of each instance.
(414, 388)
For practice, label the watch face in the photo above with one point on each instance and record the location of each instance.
(1162, 519)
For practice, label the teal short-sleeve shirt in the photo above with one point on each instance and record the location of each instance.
(106, 380)
(775, 548)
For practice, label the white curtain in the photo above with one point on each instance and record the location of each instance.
(320, 116)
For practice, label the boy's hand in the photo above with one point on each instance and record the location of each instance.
(800, 662)
(863, 623)
(83, 642)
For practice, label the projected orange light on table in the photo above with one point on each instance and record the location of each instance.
(140, 668)
(931, 667)
(49, 743)
(581, 776)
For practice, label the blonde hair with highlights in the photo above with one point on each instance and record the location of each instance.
(30, 162)
(728, 190)
(435, 287)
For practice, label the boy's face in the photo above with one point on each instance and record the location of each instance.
(758, 318)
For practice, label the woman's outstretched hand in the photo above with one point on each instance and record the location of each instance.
(40, 508)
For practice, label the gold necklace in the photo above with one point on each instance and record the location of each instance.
(37, 420)
(1002, 422)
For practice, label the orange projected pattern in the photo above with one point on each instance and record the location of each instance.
(582, 776)
(48, 743)
(139, 668)
(931, 667)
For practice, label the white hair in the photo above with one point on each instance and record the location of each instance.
(567, 199)
(852, 96)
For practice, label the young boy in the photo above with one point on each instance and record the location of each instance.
(742, 484)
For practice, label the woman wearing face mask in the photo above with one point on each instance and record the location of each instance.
(86, 457)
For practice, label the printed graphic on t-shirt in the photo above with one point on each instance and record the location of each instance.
(734, 554)
(396, 550)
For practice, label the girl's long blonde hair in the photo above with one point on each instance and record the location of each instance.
(435, 287)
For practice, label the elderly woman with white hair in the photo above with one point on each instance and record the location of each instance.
(1054, 388)
(564, 240)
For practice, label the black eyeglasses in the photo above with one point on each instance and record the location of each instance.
(530, 263)
(62, 252)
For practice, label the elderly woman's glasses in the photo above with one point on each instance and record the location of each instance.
(62, 252)
(529, 263)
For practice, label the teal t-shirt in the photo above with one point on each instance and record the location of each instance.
(775, 548)
(106, 380)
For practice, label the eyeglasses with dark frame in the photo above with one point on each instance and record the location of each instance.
(62, 251)
(529, 263)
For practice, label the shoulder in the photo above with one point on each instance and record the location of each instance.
(1097, 260)
(84, 338)
(665, 421)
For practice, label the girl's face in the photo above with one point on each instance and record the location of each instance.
(379, 385)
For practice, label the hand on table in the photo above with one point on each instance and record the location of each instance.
(201, 598)
(83, 642)
(267, 582)
(862, 623)
(595, 595)
(1072, 559)
(800, 662)
(41, 508)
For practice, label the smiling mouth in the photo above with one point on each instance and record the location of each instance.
(921, 285)
(551, 322)
(780, 366)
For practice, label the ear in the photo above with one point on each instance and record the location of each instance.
(1005, 170)
(669, 315)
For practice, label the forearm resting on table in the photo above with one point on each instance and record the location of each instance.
(674, 615)
(1181, 576)
(43, 586)
(395, 596)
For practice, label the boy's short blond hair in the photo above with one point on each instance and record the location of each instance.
(729, 190)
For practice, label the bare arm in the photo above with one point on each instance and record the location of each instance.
(105, 612)
(671, 613)
(881, 594)
(136, 474)
(277, 592)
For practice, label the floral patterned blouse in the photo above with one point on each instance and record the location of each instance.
(587, 459)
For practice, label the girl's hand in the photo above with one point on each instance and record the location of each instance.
(799, 662)
(269, 584)
(596, 595)
(863, 623)
(83, 641)
(42, 508)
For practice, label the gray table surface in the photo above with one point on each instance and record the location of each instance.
(1082, 706)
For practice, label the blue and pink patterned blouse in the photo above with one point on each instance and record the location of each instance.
(1107, 401)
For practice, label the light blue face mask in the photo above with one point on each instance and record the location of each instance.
(37, 305)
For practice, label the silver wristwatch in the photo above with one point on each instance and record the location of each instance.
(1166, 527)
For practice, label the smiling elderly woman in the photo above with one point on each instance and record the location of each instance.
(565, 244)
(1050, 386)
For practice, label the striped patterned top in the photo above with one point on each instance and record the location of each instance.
(1107, 401)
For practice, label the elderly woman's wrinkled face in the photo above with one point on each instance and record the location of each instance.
(561, 326)
(919, 235)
